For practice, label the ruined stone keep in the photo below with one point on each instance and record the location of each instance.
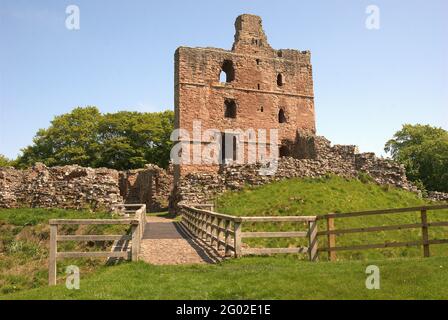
(252, 86)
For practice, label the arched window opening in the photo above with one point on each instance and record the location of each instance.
(284, 151)
(222, 77)
(281, 116)
(280, 80)
(258, 62)
(258, 86)
(227, 72)
(261, 109)
(230, 109)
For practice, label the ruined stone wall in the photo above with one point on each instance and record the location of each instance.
(437, 196)
(75, 187)
(340, 160)
(261, 81)
(151, 186)
(71, 187)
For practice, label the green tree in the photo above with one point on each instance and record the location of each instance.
(132, 139)
(423, 150)
(5, 162)
(70, 139)
(122, 140)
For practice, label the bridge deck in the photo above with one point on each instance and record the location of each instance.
(165, 241)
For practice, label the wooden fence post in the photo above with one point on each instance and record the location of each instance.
(135, 230)
(220, 233)
(213, 230)
(209, 229)
(425, 234)
(203, 226)
(52, 264)
(227, 239)
(312, 236)
(198, 225)
(331, 238)
(237, 239)
(194, 228)
(218, 225)
(142, 219)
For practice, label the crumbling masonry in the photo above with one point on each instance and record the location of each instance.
(75, 187)
(259, 88)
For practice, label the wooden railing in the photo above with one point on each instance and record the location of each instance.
(225, 231)
(138, 211)
(137, 223)
(310, 234)
(220, 230)
(424, 225)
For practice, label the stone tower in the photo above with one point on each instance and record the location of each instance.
(239, 92)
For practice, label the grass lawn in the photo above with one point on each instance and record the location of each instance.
(24, 237)
(277, 277)
(24, 241)
(338, 195)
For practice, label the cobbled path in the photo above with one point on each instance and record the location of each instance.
(166, 241)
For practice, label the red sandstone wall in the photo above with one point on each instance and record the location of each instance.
(199, 95)
(151, 186)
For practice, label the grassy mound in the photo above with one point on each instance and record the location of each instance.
(404, 274)
(338, 195)
(258, 278)
(24, 243)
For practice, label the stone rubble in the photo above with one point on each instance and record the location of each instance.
(75, 187)
(339, 160)
(68, 187)
(437, 196)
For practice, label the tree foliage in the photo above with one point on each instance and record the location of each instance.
(5, 162)
(122, 140)
(423, 150)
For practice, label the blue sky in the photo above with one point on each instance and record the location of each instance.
(367, 82)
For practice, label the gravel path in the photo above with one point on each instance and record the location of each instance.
(165, 241)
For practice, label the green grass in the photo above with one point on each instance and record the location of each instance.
(314, 197)
(258, 278)
(404, 274)
(34, 216)
(24, 238)
(334, 194)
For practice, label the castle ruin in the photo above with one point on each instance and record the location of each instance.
(236, 93)
(241, 91)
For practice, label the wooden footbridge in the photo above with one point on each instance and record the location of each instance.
(204, 236)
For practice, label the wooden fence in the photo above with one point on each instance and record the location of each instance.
(225, 231)
(424, 225)
(137, 223)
